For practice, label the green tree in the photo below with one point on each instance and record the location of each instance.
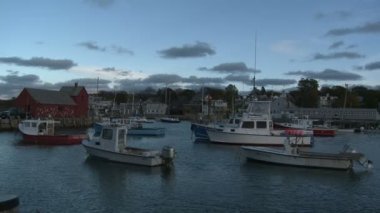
(231, 93)
(308, 95)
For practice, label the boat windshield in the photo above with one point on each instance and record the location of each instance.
(121, 135)
(107, 134)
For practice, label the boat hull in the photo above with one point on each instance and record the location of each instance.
(251, 139)
(170, 120)
(53, 139)
(265, 154)
(324, 132)
(124, 157)
(200, 130)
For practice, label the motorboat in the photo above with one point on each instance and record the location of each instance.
(291, 155)
(255, 128)
(170, 120)
(139, 129)
(110, 143)
(42, 131)
(306, 125)
(135, 127)
(199, 130)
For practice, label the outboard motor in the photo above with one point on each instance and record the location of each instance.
(168, 153)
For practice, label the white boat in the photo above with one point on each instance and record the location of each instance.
(140, 130)
(255, 128)
(199, 130)
(292, 156)
(111, 144)
(135, 127)
(170, 120)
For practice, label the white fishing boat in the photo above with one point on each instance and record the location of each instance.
(111, 144)
(255, 128)
(292, 156)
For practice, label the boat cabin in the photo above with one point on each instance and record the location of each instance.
(38, 127)
(112, 138)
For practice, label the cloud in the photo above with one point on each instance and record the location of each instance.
(337, 55)
(286, 47)
(101, 3)
(91, 45)
(351, 46)
(203, 80)
(373, 27)
(199, 49)
(52, 64)
(92, 85)
(336, 45)
(260, 82)
(235, 67)
(121, 50)
(163, 79)
(372, 66)
(340, 14)
(275, 82)
(157, 81)
(239, 78)
(12, 84)
(114, 71)
(327, 75)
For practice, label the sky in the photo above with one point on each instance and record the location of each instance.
(134, 44)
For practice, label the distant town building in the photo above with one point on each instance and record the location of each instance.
(155, 109)
(68, 102)
(326, 101)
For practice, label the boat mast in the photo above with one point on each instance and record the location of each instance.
(254, 71)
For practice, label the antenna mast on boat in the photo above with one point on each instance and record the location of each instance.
(254, 71)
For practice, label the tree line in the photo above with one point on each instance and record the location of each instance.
(306, 95)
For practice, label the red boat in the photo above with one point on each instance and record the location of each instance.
(307, 126)
(43, 132)
(324, 132)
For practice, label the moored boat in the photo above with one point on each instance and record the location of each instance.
(140, 130)
(42, 131)
(111, 144)
(255, 128)
(170, 120)
(292, 156)
(306, 125)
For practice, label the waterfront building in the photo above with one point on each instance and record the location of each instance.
(67, 103)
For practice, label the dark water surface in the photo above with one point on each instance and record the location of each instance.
(204, 178)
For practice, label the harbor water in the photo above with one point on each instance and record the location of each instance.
(203, 178)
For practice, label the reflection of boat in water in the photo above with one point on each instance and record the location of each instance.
(111, 144)
(292, 156)
(255, 128)
(38, 131)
